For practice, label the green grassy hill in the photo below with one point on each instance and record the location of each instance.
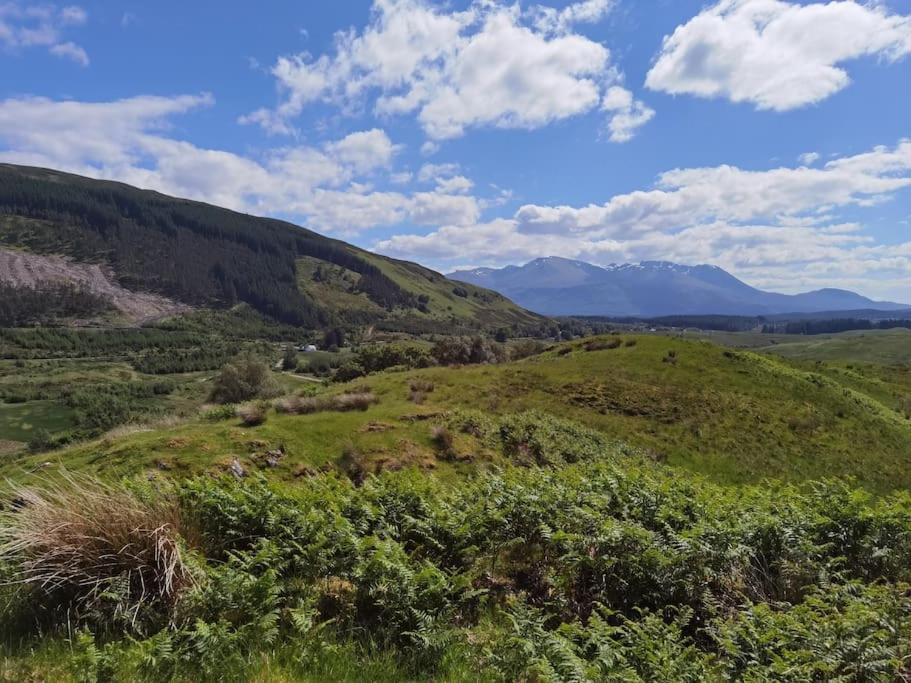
(605, 510)
(735, 416)
(206, 256)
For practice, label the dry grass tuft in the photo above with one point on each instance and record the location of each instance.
(252, 414)
(443, 439)
(300, 405)
(80, 543)
(421, 385)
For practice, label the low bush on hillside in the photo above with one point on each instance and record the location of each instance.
(377, 357)
(252, 414)
(468, 351)
(243, 380)
(423, 385)
(305, 405)
(526, 348)
(603, 344)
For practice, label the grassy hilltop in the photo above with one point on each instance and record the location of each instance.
(735, 416)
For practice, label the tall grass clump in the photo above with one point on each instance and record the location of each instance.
(252, 414)
(95, 552)
(306, 405)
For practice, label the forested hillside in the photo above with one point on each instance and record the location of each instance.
(212, 257)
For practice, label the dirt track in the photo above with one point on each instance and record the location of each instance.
(26, 270)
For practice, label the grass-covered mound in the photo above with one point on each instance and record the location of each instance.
(600, 570)
(735, 416)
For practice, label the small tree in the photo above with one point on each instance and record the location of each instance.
(289, 359)
(334, 337)
(244, 379)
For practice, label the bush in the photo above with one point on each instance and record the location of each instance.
(468, 350)
(603, 344)
(306, 405)
(443, 440)
(219, 413)
(378, 357)
(252, 414)
(289, 359)
(350, 370)
(526, 348)
(423, 385)
(243, 380)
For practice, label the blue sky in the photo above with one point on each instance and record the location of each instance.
(765, 136)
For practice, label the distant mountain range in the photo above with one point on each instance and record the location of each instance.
(559, 286)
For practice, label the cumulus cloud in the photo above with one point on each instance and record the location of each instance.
(809, 158)
(626, 114)
(779, 227)
(28, 25)
(776, 55)
(128, 140)
(71, 51)
(552, 20)
(490, 65)
(365, 150)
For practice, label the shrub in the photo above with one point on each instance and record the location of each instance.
(349, 370)
(243, 380)
(630, 342)
(252, 414)
(41, 441)
(603, 344)
(417, 397)
(526, 348)
(378, 357)
(422, 385)
(305, 405)
(443, 439)
(219, 413)
(97, 552)
(670, 358)
(468, 350)
(289, 359)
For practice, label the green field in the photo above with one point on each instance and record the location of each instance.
(881, 347)
(19, 422)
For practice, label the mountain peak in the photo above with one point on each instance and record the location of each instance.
(554, 285)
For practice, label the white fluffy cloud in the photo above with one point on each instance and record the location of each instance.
(490, 65)
(365, 150)
(776, 55)
(127, 140)
(780, 227)
(552, 20)
(30, 25)
(627, 114)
